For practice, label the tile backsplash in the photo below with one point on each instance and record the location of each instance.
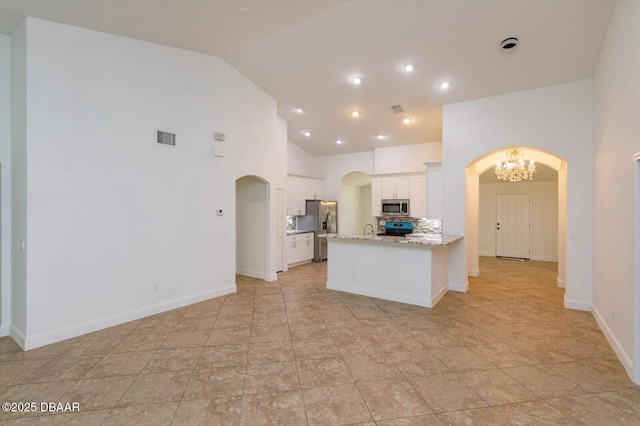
(291, 223)
(425, 226)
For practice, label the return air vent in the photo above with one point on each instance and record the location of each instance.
(166, 138)
(397, 108)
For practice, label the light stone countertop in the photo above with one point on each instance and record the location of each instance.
(426, 240)
(297, 231)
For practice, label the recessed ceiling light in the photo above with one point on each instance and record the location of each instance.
(339, 141)
(307, 134)
(408, 67)
(445, 85)
(406, 120)
(380, 136)
(244, 10)
(355, 113)
(300, 110)
(356, 80)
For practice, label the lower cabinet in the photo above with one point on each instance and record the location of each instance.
(299, 248)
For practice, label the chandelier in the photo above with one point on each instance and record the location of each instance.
(514, 169)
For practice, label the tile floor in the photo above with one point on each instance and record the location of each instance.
(293, 353)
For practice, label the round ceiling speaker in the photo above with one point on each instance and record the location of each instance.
(509, 43)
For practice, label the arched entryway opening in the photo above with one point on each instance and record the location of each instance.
(252, 227)
(355, 203)
(486, 163)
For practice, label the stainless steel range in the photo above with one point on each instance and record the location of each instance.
(397, 229)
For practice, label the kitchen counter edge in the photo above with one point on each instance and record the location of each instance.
(443, 240)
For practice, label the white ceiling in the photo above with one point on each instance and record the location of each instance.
(304, 52)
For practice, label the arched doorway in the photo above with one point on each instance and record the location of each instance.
(487, 162)
(252, 227)
(355, 203)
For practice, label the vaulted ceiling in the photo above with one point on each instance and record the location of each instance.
(305, 53)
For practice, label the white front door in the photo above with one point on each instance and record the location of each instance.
(512, 225)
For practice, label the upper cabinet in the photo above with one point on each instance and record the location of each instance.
(376, 196)
(395, 187)
(298, 190)
(418, 196)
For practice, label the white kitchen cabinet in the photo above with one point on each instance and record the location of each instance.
(314, 189)
(395, 187)
(298, 196)
(376, 196)
(299, 248)
(418, 196)
(299, 189)
(309, 251)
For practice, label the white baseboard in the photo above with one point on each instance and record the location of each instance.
(487, 253)
(272, 277)
(18, 336)
(461, 287)
(579, 305)
(560, 282)
(251, 273)
(46, 338)
(624, 358)
(544, 258)
(473, 272)
(435, 299)
(381, 294)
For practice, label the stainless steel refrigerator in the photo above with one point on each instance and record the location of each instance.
(321, 218)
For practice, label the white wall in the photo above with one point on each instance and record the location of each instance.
(18, 326)
(111, 214)
(5, 184)
(252, 230)
(544, 217)
(617, 139)
(406, 158)
(334, 167)
(299, 161)
(557, 119)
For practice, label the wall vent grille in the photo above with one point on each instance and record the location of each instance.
(397, 108)
(166, 138)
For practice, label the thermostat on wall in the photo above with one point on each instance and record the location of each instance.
(219, 152)
(219, 136)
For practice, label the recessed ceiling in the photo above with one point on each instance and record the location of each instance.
(305, 53)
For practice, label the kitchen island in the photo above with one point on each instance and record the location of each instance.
(401, 269)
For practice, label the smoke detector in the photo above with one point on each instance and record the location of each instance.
(509, 43)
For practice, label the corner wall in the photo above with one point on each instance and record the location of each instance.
(112, 215)
(617, 139)
(5, 182)
(556, 119)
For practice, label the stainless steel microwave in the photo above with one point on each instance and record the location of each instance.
(395, 207)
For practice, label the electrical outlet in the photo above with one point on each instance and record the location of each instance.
(155, 288)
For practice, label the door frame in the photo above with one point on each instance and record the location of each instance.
(636, 314)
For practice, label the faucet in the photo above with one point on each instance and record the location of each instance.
(365, 229)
